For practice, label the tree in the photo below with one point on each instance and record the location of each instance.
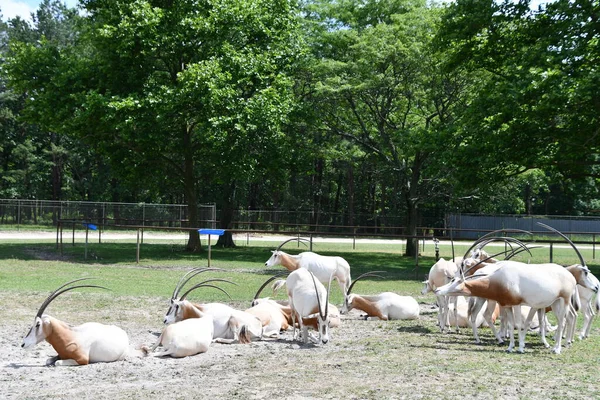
(382, 88)
(539, 104)
(172, 90)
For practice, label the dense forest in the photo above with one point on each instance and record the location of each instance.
(352, 108)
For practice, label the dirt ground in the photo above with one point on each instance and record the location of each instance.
(262, 370)
(364, 360)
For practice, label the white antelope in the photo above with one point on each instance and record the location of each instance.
(91, 342)
(321, 266)
(586, 296)
(335, 320)
(515, 283)
(587, 285)
(385, 306)
(275, 316)
(230, 325)
(185, 338)
(307, 296)
(440, 274)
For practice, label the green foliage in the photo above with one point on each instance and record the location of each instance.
(535, 108)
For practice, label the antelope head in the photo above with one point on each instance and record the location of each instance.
(41, 325)
(347, 306)
(275, 258)
(175, 311)
(586, 278)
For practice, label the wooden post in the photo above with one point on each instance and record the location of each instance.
(209, 250)
(137, 254)
(86, 241)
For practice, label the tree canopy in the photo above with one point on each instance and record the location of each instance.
(356, 111)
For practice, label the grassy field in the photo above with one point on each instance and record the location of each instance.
(366, 359)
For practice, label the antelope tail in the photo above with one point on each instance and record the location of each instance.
(244, 335)
(575, 301)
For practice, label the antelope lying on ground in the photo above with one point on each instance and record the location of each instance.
(514, 283)
(308, 296)
(276, 316)
(321, 266)
(91, 342)
(230, 325)
(185, 338)
(385, 306)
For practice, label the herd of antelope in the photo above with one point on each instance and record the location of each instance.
(476, 289)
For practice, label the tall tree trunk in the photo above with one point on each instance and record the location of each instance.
(189, 181)
(412, 206)
(350, 194)
(317, 182)
(227, 209)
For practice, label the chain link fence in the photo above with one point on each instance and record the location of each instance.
(21, 214)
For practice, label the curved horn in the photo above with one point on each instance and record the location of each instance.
(366, 274)
(271, 279)
(58, 292)
(290, 240)
(327, 297)
(522, 250)
(189, 275)
(567, 239)
(317, 293)
(204, 283)
(509, 240)
(487, 258)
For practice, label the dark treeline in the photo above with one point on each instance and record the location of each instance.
(354, 107)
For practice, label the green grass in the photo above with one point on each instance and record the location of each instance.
(37, 265)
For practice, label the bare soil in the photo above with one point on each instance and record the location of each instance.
(364, 360)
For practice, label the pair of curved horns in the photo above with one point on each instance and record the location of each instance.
(326, 313)
(484, 241)
(567, 239)
(299, 239)
(271, 279)
(206, 284)
(189, 275)
(365, 275)
(64, 288)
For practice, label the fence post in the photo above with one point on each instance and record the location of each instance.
(354, 240)
(137, 253)
(551, 252)
(86, 241)
(311, 241)
(594, 246)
